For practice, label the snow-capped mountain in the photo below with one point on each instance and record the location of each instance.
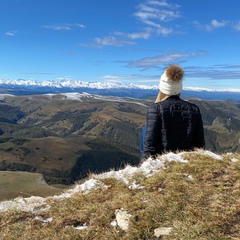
(27, 87)
(72, 84)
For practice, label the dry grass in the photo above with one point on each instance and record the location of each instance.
(198, 200)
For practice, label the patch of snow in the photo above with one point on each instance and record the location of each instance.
(50, 95)
(84, 226)
(3, 96)
(78, 96)
(190, 177)
(41, 180)
(30, 204)
(75, 96)
(117, 99)
(86, 187)
(120, 175)
(48, 220)
(234, 160)
(151, 166)
(210, 154)
(114, 223)
(176, 157)
(134, 185)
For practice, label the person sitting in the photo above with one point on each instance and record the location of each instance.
(173, 124)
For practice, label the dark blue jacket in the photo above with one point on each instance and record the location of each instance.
(173, 124)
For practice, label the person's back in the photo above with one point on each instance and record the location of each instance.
(172, 123)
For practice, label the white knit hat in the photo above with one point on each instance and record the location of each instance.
(171, 80)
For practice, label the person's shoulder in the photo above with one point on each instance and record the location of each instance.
(191, 105)
(152, 107)
(155, 107)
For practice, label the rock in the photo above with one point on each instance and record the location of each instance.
(122, 218)
(162, 231)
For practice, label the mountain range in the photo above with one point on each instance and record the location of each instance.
(29, 87)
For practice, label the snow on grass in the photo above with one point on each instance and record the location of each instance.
(31, 204)
(4, 95)
(210, 154)
(78, 96)
(86, 187)
(39, 218)
(148, 168)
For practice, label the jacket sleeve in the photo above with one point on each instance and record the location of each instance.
(198, 138)
(152, 138)
(143, 133)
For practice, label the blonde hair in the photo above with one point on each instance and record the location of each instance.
(162, 96)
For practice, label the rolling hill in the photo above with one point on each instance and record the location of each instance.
(66, 136)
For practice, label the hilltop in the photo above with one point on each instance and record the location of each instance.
(187, 195)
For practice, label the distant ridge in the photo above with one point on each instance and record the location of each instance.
(28, 87)
(72, 84)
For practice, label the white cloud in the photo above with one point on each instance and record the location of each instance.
(58, 27)
(109, 41)
(217, 24)
(157, 10)
(214, 24)
(164, 31)
(65, 26)
(159, 3)
(159, 60)
(215, 72)
(118, 78)
(142, 35)
(130, 79)
(151, 13)
(11, 33)
(155, 13)
(80, 25)
(236, 26)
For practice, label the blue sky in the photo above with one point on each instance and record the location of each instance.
(128, 41)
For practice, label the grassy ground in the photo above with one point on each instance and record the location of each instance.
(15, 184)
(198, 200)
